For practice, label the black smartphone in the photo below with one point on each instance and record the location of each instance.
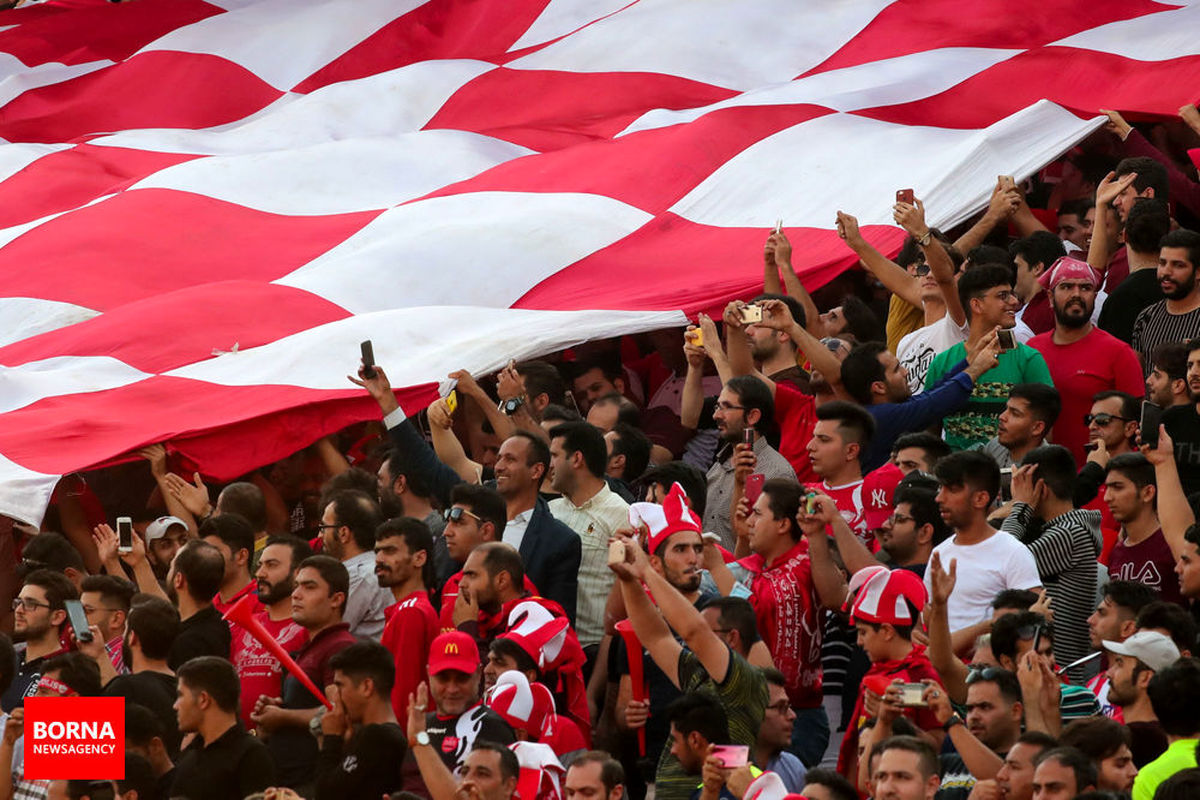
(1151, 419)
(124, 535)
(1006, 339)
(368, 359)
(1037, 638)
(78, 619)
(748, 436)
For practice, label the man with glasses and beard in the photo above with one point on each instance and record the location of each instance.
(258, 670)
(1083, 359)
(38, 620)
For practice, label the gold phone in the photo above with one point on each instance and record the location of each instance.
(452, 401)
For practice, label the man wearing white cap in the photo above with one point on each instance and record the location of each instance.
(1083, 359)
(164, 537)
(1132, 663)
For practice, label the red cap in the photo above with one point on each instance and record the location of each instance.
(879, 486)
(670, 518)
(882, 598)
(453, 650)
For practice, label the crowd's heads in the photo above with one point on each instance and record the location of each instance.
(1013, 635)
(1113, 419)
(908, 769)
(505, 654)
(697, 720)
(1171, 620)
(164, 537)
(994, 707)
(399, 477)
(277, 564)
(919, 451)
(1115, 617)
(1033, 256)
(489, 771)
(1073, 223)
(872, 374)
(594, 379)
(364, 674)
(1029, 413)
(577, 450)
(1129, 486)
(767, 343)
(39, 607)
(1134, 662)
(1167, 382)
(987, 296)
(543, 384)
(521, 463)
(1147, 223)
(915, 525)
(772, 519)
(492, 575)
(594, 775)
(208, 686)
(404, 549)
(744, 402)
(69, 675)
(454, 671)
(885, 609)
(1175, 697)
(1106, 743)
(233, 535)
(322, 586)
(1178, 260)
(348, 524)
(106, 601)
(1016, 773)
(1072, 285)
(733, 620)
(1063, 772)
(1151, 181)
(673, 539)
(152, 628)
(1054, 468)
(477, 514)
(841, 436)
(659, 480)
(52, 551)
(853, 318)
(969, 482)
(827, 784)
(247, 501)
(628, 452)
(613, 409)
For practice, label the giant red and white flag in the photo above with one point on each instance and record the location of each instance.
(205, 206)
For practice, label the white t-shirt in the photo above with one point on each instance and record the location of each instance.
(916, 350)
(997, 563)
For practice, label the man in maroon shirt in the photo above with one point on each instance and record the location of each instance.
(404, 564)
(1141, 553)
(322, 584)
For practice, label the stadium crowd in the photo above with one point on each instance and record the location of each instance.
(929, 532)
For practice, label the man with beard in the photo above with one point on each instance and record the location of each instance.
(258, 670)
(1177, 316)
(987, 296)
(193, 579)
(38, 620)
(1132, 664)
(1183, 424)
(1166, 385)
(1083, 359)
(404, 564)
(233, 535)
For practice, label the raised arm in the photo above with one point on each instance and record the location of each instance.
(1174, 511)
(912, 219)
(447, 446)
(890, 274)
(776, 315)
(791, 281)
(1004, 201)
(156, 455)
(648, 624)
(950, 669)
(1109, 188)
(771, 283)
(854, 553)
(691, 403)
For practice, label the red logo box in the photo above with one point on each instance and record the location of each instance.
(74, 737)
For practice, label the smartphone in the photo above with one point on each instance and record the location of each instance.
(778, 225)
(905, 196)
(124, 535)
(616, 552)
(78, 620)
(1151, 418)
(1007, 340)
(754, 486)
(912, 695)
(452, 401)
(748, 436)
(368, 359)
(810, 503)
(732, 756)
(751, 314)
(1037, 637)
(695, 337)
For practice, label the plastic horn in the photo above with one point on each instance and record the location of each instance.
(242, 613)
(637, 672)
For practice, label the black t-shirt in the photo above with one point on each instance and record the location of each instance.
(235, 765)
(26, 680)
(1183, 425)
(1125, 302)
(366, 766)
(202, 634)
(453, 738)
(155, 691)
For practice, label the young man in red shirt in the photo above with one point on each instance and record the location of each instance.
(260, 672)
(842, 434)
(404, 564)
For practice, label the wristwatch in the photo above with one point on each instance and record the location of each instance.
(955, 719)
(511, 405)
(926, 239)
(422, 738)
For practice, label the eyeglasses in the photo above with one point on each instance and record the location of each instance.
(29, 603)
(984, 674)
(781, 708)
(323, 526)
(456, 514)
(722, 406)
(1103, 419)
(1005, 295)
(898, 518)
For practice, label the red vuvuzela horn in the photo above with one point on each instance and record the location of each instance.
(242, 613)
(637, 672)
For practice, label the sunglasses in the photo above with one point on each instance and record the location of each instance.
(984, 674)
(456, 514)
(1103, 419)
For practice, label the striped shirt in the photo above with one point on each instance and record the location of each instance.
(600, 516)
(1156, 325)
(1065, 554)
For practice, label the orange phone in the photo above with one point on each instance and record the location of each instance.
(904, 196)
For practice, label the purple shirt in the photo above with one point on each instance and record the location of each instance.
(1149, 562)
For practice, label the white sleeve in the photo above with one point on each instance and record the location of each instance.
(1022, 572)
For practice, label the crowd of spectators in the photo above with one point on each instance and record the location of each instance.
(929, 532)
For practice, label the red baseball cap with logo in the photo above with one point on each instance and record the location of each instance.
(879, 486)
(453, 650)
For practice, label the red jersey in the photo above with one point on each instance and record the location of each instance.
(1096, 363)
(849, 501)
(260, 672)
(795, 413)
(450, 596)
(410, 629)
(250, 588)
(789, 620)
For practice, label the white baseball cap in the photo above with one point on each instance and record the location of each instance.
(160, 526)
(1149, 647)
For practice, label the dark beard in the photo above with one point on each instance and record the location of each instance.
(1070, 321)
(277, 592)
(1183, 291)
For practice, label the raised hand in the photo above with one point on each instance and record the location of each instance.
(942, 582)
(193, 496)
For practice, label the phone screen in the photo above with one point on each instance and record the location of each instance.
(125, 534)
(78, 619)
(1151, 418)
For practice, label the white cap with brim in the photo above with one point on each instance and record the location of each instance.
(1149, 647)
(160, 526)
